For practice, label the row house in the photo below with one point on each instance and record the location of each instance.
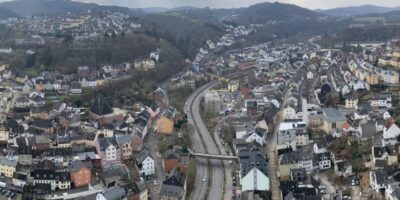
(69, 118)
(7, 167)
(56, 180)
(124, 142)
(292, 135)
(145, 163)
(59, 156)
(108, 150)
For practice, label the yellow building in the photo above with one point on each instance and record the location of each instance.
(233, 85)
(351, 103)
(395, 62)
(333, 119)
(383, 62)
(7, 167)
(3, 134)
(396, 54)
(284, 170)
(164, 125)
(99, 82)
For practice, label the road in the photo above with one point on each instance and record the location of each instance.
(201, 190)
(272, 153)
(228, 166)
(330, 189)
(313, 43)
(152, 145)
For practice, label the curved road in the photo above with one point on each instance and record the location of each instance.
(201, 190)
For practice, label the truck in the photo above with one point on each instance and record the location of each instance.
(2, 184)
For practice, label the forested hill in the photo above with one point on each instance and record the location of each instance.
(264, 12)
(5, 13)
(57, 7)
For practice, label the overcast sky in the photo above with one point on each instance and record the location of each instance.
(312, 4)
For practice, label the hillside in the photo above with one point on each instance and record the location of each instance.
(6, 13)
(357, 10)
(187, 34)
(264, 12)
(389, 17)
(57, 7)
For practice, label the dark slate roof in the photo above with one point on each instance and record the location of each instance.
(77, 165)
(67, 151)
(170, 155)
(342, 166)
(115, 171)
(101, 107)
(20, 176)
(40, 174)
(75, 85)
(123, 139)
(106, 142)
(368, 129)
(292, 190)
(174, 185)
(333, 115)
(296, 156)
(251, 159)
(42, 188)
(142, 156)
(114, 193)
(379, 151)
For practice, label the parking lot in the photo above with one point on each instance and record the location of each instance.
(6, 194)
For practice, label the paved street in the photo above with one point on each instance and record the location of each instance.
(330, 189)
(228, 167)
(199, 191)
(272, 154)
(216, 188)
(159, 172)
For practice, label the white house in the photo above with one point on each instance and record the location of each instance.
(19, 179)
(305, 161)
(324, 161)
(390, 133)
(345, 90)
(240, 132)
(319, 148)
(57, 180)
(145, 163)
(385, 100)
(343, 168)
(358, 85)
(310, 75)
(289, 112)
(257, 135)
(377, 180)
(386, 115)
(253, 171)
(275, 102)
(263, 124)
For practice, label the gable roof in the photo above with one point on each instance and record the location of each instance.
(106, 142)
(142, 156)
(114, 193)
(101, 107)
(333, 115)
(174, 185)
(252, 159)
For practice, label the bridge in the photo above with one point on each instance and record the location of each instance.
(212, 156)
